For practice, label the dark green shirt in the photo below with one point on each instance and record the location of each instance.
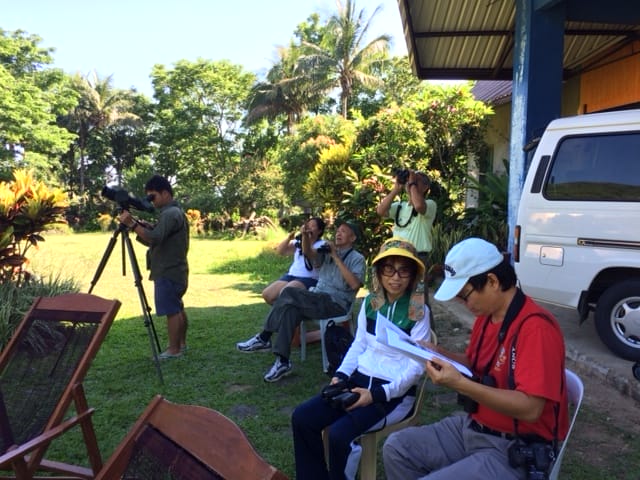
(169, 245)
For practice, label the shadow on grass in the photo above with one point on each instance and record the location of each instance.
(123, 379)
(251, 287)
(259, 267)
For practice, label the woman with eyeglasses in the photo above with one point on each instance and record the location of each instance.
(382, 379)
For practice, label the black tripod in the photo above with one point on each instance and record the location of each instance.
(146, 309)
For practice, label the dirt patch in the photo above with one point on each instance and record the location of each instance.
(606, 430)
(608, 425)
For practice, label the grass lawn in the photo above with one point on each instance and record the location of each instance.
(223, 305)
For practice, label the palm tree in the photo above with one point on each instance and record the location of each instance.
(286, 91)
(342, 56)
(99, 106)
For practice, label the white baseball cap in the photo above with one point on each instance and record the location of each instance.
(466, 259)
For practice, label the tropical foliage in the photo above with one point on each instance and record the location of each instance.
(344, 57)
(320, 134)
(487, 220)
(27, 208)
(30, 98)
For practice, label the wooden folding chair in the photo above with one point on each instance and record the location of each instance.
(41, 373)
(186, 442)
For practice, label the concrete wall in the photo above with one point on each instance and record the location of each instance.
(498, 131)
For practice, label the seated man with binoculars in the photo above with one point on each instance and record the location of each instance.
(341, 274)
(516, 404)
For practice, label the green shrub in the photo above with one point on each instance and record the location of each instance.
(16, 298)
(489, 219)
(444, 237)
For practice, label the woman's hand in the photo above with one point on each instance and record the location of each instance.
(364, 400)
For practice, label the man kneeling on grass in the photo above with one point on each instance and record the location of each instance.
(341, 274)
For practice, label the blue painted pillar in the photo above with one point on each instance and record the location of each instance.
(537, 85)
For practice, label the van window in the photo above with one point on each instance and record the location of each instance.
(596, 168)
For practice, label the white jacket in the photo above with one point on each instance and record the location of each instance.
(375, 359)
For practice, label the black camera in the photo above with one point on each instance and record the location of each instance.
(468, 404)
(126, 200)
(339, 396)
(298, 241)
(324, 248)
(402, 175)
(536, 457)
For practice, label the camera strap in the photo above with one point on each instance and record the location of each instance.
(344, 256)
(512, 312)
(414, 212)
(307, 263)
(512, 381)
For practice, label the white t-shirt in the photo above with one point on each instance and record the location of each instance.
(298, 267)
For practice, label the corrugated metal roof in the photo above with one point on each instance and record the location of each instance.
(474, 39)
(495, 92)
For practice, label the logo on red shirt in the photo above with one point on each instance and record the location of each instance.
(502, 358)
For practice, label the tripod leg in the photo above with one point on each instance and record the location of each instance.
(146, 309)
(105, 258)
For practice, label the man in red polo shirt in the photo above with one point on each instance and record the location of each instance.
(517, 397)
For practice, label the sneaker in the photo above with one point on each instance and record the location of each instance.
(280, 369)
(254, 344)
(166, 355)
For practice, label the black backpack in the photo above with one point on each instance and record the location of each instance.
(337, 341)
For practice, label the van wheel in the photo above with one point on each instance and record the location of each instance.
(617, 319)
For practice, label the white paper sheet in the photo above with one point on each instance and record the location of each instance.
(392, 336)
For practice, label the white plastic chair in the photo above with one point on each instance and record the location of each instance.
(575, 392)
(323, 325)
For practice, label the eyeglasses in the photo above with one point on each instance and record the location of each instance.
(464, 297)
(389, 270)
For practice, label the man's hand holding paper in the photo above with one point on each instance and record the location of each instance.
(396, 338)
(442, 372)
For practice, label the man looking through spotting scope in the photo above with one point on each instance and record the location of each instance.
(168, 242)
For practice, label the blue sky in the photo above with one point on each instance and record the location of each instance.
(125, 38)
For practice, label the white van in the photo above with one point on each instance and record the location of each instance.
(577, 239)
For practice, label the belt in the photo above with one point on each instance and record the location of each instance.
(477, 427)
